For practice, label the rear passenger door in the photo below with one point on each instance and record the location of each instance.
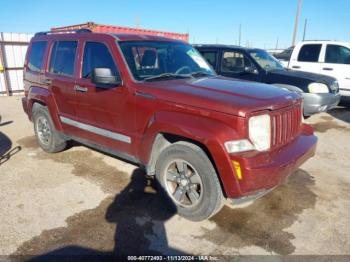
(307, 58)
(60, 76)
(102, 113)
(336, 63)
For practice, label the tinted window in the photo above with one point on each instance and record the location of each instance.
(337, 54)
(97, 55)
(62, 58)
(309, 53)
(36, 57)
(234, 62)
(210, 56)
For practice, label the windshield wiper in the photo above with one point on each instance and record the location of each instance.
(200, 73)
(166, 76)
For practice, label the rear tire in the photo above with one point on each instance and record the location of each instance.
(47, 136)
(189, 181)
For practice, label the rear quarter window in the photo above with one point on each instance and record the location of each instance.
(36, 56)
(309, 53)
(63, 57)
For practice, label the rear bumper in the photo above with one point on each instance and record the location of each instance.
(316, 103)
(264, 171)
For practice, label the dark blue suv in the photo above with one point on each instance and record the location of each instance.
(320, 92)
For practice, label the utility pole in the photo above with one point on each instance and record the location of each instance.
(305, 25)
(277, 43)
(137, 22)
(239, 34)
(296, 23)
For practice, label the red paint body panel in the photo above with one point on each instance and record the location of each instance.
(209, 111)
(270, 169)
(99, 28)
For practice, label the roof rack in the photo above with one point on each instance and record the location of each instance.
(82, 30)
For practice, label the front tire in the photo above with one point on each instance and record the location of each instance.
(189, 181)
(47, 136)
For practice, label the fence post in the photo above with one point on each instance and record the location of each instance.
(4, 64)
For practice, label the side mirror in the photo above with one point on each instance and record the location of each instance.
(251, 70)
(104, 78)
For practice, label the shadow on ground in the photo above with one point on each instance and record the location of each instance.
(6, 150)
(6, 123)
(342, 112)
(264, 222)
(132, 223)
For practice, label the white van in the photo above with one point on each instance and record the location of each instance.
(324, 57)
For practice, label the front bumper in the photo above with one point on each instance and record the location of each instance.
(317, 103)
(264, 171)
(345, 94)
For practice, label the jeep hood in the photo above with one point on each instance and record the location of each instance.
(222, 94)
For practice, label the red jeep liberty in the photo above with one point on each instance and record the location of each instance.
(156, 102)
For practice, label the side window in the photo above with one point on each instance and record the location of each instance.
(337, 54)
(36, 56)
(63, 57)
(97, 55)
(309, 53)
(210, 56)
(234, 62)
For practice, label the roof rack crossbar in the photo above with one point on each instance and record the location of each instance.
(81, 30)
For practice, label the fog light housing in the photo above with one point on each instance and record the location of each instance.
(236, 146)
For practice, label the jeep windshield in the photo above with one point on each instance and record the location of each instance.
(160, 60)
(265, 60)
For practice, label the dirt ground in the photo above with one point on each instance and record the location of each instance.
(82, 201)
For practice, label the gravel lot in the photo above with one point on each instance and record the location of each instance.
(82, 201)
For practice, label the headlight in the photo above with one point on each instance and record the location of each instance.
(238, 146)
(335, 86)
(260, 132)
(318, 88)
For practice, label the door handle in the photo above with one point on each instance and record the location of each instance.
(145, 95)
(328, 68)
(297, 67)
(47, 81)
(81, 89)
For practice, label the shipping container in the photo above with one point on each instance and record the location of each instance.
(122, 29)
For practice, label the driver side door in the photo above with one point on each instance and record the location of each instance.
(102, 112)
(237, 65)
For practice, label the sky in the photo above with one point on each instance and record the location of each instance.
(263, 22)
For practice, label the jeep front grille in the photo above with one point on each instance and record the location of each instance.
(285, 125)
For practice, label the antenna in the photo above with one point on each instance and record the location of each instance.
(239, 34)
(305, 25)
(137, 21)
